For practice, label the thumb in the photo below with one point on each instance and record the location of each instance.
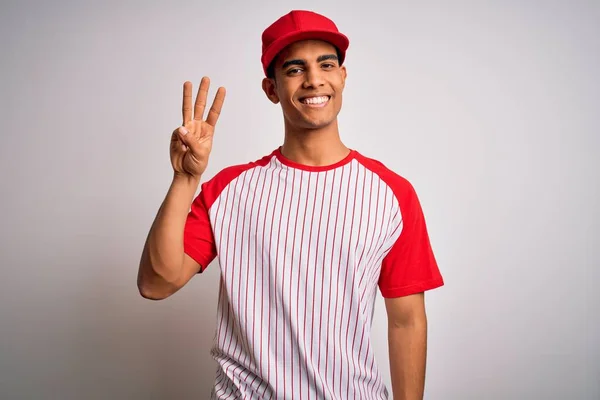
(185, 136)
(188, 138)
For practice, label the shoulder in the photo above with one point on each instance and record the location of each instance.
(212, 188)
(227, 174)
(399, 184)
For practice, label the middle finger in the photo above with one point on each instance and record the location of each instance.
(201, 98)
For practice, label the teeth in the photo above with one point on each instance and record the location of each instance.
(316, 100)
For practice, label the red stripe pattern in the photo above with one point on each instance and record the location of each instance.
(302, 251)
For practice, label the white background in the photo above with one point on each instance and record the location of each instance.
(490, 108)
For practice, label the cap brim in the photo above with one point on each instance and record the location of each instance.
(337, 39)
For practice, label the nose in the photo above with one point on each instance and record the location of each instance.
(313, 78)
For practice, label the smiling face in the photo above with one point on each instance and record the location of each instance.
(308, 82)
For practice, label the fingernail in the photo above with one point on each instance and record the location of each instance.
(183, 130)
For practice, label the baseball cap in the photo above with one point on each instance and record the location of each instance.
(300, 25)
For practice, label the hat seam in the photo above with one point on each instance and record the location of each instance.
(295, 20)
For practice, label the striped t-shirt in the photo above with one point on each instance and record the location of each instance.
(302, 251)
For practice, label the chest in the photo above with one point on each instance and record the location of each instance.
(275, 214)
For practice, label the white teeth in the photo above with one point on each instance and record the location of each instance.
(315, 100)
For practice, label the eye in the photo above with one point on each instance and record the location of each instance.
(293, 71)
(328, 65)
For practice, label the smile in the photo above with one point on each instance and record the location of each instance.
(317, 101)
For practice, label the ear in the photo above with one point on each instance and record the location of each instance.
(269, 86)
(344, 75)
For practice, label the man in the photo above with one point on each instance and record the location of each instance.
(304, 236)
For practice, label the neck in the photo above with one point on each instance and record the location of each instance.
(314, 147)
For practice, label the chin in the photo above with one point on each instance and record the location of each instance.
(314, 124)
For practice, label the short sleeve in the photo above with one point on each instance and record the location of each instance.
(410, 266)
(198, 239)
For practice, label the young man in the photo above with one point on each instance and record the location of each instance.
(304, 237)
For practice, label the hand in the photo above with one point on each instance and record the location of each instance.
(190, 151)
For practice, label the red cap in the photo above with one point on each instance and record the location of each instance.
(300, 25)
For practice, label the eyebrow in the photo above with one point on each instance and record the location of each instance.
(303, 62)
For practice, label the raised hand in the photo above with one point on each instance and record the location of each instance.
(191, 143)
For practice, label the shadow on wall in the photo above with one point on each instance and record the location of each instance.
(125, 346)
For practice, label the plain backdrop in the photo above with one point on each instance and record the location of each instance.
(490, 108)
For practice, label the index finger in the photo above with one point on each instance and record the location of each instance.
(186, 108)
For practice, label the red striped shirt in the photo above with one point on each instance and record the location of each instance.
(302, 251)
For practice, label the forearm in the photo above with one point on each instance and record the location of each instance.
(408, 353)
(162, 256)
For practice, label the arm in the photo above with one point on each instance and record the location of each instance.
(164, 267)
(407, 338)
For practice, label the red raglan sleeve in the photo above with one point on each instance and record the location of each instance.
(410, 266)
(198, 239)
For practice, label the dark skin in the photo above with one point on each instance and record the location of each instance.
(164, 266)
(309, 69)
